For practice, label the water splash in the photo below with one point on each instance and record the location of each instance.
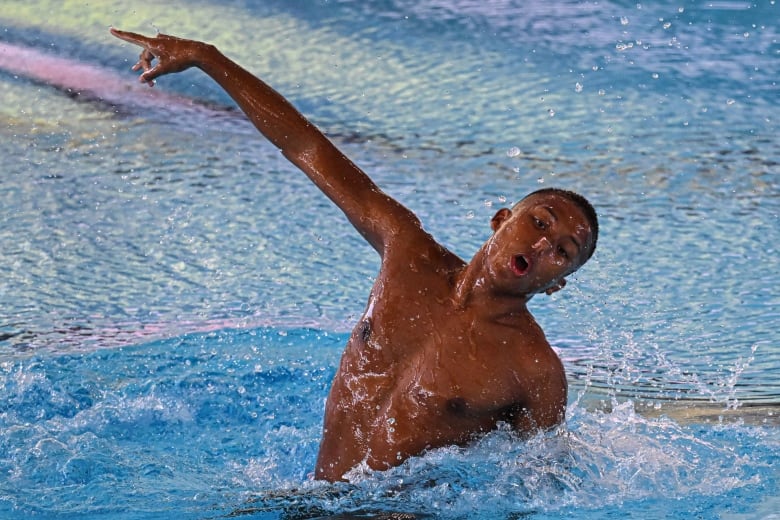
(229, 416)
(604, 460)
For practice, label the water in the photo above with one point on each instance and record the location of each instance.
(175, 296)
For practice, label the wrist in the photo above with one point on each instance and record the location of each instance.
(207, 57)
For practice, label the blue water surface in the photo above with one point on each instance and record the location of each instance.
(174, 296)
(210, 424)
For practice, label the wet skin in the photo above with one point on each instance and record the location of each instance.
(445, 349)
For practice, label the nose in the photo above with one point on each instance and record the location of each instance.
(542, 245)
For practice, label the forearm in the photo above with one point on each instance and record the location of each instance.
(376, 216)
(298, 139)
(305, 146)
(270, 112)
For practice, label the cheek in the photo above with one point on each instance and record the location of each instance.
(556, 261)
(557, 267)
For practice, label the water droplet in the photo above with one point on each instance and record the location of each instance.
(624, 20)
(602, 92)
(730, 101)
(655, 75)
(551, 112)
(513, 152)
(578, 87)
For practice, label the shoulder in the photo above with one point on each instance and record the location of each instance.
(545, 389)
(542, 404)
(416, 248)
(543, 364)
(549, 394)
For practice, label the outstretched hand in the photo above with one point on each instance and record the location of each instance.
(172, 54)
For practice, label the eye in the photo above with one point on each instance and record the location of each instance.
(562, 252)
(539, 223)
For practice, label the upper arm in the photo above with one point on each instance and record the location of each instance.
(377, 216)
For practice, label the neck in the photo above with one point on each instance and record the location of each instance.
(473, 290)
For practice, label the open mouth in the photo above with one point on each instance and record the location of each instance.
(520, 265)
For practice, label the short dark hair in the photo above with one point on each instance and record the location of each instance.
(582, 203)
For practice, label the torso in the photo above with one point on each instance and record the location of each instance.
(421, 372)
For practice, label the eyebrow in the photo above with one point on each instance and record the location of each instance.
(571, 237)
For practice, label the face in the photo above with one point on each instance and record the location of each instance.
(535, 245)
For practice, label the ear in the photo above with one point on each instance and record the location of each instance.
(499, 218)
(560, 284)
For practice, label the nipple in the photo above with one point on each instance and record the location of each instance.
(456, 405)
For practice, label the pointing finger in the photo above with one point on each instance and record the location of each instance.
(131, 37)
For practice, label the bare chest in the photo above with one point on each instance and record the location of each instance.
(435, 358)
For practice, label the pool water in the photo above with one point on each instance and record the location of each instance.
(209, 424)
(174, 296)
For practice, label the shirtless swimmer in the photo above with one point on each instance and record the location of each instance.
(445, 349)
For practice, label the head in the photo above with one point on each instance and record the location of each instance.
(543, 238)
(580, 202)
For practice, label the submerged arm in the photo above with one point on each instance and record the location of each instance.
(374, 214)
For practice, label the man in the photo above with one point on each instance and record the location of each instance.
(445, 349)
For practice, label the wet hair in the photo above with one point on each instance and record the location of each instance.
(582, 203)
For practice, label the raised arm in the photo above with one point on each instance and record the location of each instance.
(377, 216)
